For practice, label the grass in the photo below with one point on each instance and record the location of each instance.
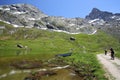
(87, 64)
(43, 45)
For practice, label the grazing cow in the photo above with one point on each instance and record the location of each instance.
(72, 38)
(64, 55)
(19, 46)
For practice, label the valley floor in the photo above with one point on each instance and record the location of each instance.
(112, 67)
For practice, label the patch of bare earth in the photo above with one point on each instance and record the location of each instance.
(112, 67)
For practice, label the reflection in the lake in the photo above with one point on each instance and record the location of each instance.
(62, 73)
(22, 51)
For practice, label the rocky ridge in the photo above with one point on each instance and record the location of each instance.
(28, 16)
(20, 14)
(105, 21)
(25, 15)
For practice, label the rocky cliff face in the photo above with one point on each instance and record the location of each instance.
(24, 15)
(20, 14)
(105, 21)
(72, 25)
(97, 14)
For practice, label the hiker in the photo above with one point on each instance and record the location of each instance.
(112, 53)
(105, 52)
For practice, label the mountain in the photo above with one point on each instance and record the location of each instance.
(20, 14)
(28, 16)
(105, 21)
(96, 13)
(25, 15)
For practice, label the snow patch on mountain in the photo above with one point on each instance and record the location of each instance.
(91, 21)
(118, 19)
(5, 21)
(113, 17)
(32, 19)
(4, 9)
(93, 32)
(66, 32)
(18, 13)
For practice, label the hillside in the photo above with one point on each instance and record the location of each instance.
(43, 45)
(95, 43)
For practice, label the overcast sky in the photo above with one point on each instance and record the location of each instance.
(69, 8)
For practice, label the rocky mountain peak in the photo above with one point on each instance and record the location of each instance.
(95, 10)
(20, 14)
(105, 21)
(22, 9)
(98, 14)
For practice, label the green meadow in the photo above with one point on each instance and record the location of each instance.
(45, 44)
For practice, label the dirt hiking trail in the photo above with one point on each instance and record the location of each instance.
(112, 67)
